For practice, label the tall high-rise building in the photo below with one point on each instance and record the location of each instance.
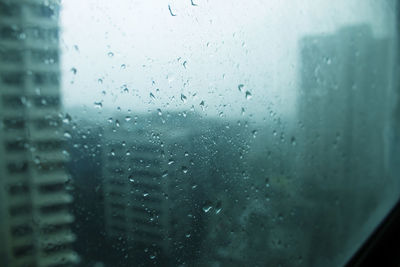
(342, 109)
(34, 217)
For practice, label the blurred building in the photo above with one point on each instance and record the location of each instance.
(147, 184)
(34, 217)
(341, 113)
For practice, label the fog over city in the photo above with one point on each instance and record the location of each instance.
(220, 58)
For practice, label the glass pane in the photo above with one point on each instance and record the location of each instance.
(196, 133)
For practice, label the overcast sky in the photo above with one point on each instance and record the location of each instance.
(119, 52)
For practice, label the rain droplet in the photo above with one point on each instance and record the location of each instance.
(110, 54)
(170, 11)
(207, 208)
(152, 257)
(117, 123)
(67, 119)
(187, 235)
(164, 174)
(248, 95)
(152, 96)
(112, 153)
(159, 112)
(131, 179)
(240, 87)
(184, 169)
(184, 64)
(171, 161)
(36, 160)
(202, 105)
(67, 135)
(145, 194)
(123, 66)
(183, 98)
(186, 154)
(100, 81)
(74, 70)
(98, 105)
(293, 141)
(128, 118)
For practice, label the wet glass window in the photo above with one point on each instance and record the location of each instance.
(196, 133)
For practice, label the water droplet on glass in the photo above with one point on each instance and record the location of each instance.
(131, 179)
(100, 81)
(123, 66)
(152, 257)
(67, 135)
(171, 161)
(36, 160)
(117, 123)
(184, 169)
(112, 153)
(187, 235)
(110, 54)
(293, 141)
(186, 154)
(128, 118)
(98, 105)
(240, 87)
(183, 98)
(74, 70)
(248, 95)
(67, 119)
(207, 208)
(184, 64)
(152, 96)
(170, 11)
(145, 194)
(202, 105)
(164, 174)
(159, 112)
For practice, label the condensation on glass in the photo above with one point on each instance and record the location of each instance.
(196, 133)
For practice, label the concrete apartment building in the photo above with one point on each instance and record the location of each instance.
(146, 171)
(34, 217)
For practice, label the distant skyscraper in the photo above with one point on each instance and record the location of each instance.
(342, 106)
(34, 217)
(342, 102)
